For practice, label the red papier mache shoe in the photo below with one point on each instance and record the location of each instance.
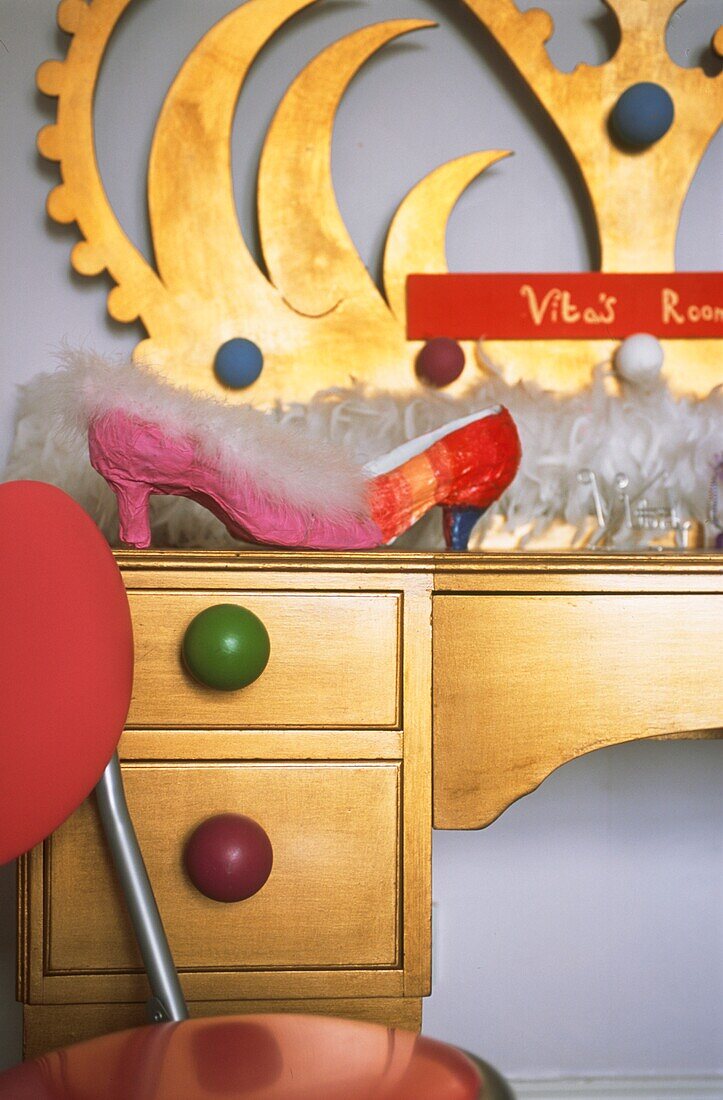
(269, 483)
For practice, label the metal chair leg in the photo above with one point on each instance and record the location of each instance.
(167, 1001)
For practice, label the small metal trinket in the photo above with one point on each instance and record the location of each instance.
(632, 522)
(714, 517)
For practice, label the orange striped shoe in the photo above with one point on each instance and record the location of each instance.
(464, 467)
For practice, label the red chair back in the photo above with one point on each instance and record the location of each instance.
(66, 660)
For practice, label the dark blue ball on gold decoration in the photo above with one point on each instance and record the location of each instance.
(643, 115)
(238, 363)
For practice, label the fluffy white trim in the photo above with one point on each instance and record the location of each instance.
(606, 428)
(280, 461)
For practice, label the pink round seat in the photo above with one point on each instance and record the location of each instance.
(251, 1058)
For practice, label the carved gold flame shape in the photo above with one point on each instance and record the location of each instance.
(318, 316)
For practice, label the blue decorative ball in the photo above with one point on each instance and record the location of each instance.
(642, 115)
(238, 363)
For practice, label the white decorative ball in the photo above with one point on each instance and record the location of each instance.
(639, 359)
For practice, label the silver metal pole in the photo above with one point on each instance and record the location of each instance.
(167, 1002)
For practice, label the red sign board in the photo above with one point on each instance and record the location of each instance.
(680, 306)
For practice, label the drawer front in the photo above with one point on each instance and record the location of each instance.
(326, 652)
(331, 901)
(525, 682)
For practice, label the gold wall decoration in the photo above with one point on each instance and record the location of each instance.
(318, 317)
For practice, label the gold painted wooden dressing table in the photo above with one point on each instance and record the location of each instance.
(500, 667)
(403, 689)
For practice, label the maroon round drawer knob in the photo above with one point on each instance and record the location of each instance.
(229, 857)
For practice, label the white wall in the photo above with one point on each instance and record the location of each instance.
(582, 932)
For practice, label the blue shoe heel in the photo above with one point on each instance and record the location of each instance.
(459, 524)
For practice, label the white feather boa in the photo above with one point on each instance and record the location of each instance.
(606, 427)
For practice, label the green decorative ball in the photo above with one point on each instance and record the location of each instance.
(226, 647)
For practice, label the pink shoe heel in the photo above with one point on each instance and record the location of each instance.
(133, 519)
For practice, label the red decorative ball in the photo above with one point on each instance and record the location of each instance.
(440, 362)
(228, 857)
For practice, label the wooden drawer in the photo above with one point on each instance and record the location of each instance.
(524, 682)
(326, 651)
(331, 902)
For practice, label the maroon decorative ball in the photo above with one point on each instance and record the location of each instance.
(228, 857)
(440, 362)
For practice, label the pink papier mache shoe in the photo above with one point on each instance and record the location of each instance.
(270, 484)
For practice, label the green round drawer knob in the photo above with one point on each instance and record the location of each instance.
(226, 647)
